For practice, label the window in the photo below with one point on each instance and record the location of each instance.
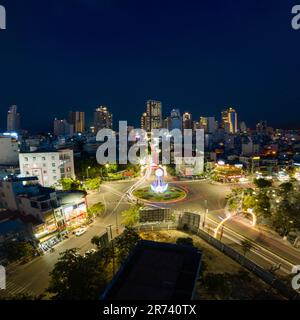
(44, 158)
(26, 158)
(53, 165)
(34, 158)
(34, 204)
(53, 157)
(44, 205)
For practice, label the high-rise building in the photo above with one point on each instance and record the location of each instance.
(154, 115)
(230, 120)
(211, 125)
(167, 123)
(144, 119)
(176, 122)
(77, 119)
(187, 122)
(9, 146)
(103, 119)
(13, 119)
(62, 128)
(243, 126)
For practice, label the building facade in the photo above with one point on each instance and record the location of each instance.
(176, 122)
(230, 120)
(77, 119)
(187, 122)
(62, 128)
(13, 119)
(49, 166)
(103, 119)
(9, 146)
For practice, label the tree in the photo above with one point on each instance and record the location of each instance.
(262, 183)
(131, 216)
(17, 250)
(262, 205)
(285, 217)
(285, 188)
(96, 210)
(93, 184)
(185, 241)
(88, 167)
(233, 204)
(249, 202)
(125, 242)
(171, 169)
(246, 246)
(69, 184)
(77, 277)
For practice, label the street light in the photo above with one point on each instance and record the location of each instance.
(87, 172)
(112, 245)
(205, 213)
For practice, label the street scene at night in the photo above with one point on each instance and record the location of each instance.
(149, 151)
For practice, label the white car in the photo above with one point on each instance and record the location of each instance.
(80, 232)
(91, 251)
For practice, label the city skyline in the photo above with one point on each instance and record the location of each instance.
(118, 63)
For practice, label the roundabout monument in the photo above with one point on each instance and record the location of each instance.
(160, 191)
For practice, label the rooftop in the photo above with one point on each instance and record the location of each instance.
(154, 270)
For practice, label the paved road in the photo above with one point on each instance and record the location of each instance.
(33, 277)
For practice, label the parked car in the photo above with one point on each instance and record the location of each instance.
(91, 251)
(80, 232)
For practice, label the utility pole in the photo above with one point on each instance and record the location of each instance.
(112, 246)
(205, 214)
(222, 231)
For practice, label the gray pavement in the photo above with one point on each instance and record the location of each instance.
(34, 276)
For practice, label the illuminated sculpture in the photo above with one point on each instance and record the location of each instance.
(159, 185)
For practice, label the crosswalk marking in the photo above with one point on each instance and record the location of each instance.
(13, 289)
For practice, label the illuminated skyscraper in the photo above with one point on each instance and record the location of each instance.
(152, 118)
(77, 119)
(187, 122)
(154, 113)
(144, 121)
(102, 119)
(176, 122)
(230, 120)
(13, 119)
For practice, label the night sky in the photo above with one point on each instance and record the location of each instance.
(197, 55)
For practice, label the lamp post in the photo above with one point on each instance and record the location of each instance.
(205, 213)
(112, 245)
(87, 172)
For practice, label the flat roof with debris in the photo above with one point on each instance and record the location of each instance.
(159, 271)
